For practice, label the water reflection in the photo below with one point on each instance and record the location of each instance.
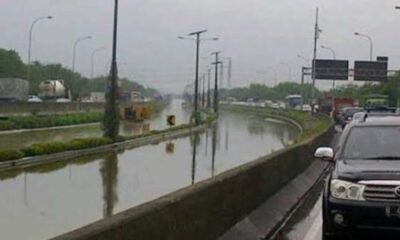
(109, 176)
(194, 143)
(213, 148)
(47, 201)
(157, 122)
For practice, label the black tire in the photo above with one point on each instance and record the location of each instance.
(328, 232)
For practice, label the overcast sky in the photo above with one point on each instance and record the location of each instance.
(257, 34)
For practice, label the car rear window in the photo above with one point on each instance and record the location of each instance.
(372, 142)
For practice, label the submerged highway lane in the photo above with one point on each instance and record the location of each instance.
(49, 200)
(157, 122)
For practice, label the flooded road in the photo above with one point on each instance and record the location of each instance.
(49, 200)
(157, 122)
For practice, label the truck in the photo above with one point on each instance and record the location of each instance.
(53, 90)
(293, 101)
(13, 89)
(339, 104)
(377, 100)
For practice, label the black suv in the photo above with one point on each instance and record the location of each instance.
(363, 188)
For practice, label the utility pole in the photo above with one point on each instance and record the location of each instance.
(209, 89)
(111, 116)
(203, 95)
(229, 73)
(216, 81)
(221, 75)
(316, 37)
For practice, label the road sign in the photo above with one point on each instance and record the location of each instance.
(331, 69)
(171, 120)
(382, 59)
(370, 71)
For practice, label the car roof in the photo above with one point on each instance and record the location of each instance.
(377, 119)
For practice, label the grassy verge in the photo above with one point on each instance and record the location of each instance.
(45, 121)
(84, 143)
(30, 122)
(312, 125)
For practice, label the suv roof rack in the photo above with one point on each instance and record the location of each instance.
(381, 109)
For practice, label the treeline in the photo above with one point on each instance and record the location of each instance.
(262, 92)
(390, 88)
(11, 65)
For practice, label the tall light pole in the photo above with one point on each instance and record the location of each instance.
(30, 43)
(333, 82)
(371, 47)
(77, 41)
(216, 63)
(196, 85)
(209, 88)
(111, 116)
(92, 60)
(317, 32)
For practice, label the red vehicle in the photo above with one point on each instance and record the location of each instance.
(340, 103)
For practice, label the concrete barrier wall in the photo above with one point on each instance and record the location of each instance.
(207, 209)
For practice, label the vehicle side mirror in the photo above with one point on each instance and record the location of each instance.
(324, 154)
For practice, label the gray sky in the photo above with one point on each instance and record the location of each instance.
(257, 34)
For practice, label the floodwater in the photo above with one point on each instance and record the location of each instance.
(157, 122)
(45, 201)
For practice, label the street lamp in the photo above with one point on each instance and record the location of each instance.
(196, 85)
(331, 50)
(370, 42)
(30, 42)
(74, 51)
(111, 113)
(333, 82)
(92, 60)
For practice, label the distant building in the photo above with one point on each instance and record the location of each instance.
(13, 89)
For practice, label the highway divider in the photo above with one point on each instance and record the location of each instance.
(209, 208)
(42, 153)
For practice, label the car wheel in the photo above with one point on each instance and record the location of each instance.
(328, 233)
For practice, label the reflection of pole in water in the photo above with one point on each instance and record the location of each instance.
(26, 189)
(227, 136)
(206, 153)
(109, 176)
(214, 146)
(194, 142)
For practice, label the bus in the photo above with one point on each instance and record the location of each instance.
(293, 101)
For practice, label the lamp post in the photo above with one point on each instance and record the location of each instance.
(30, 43)
(92, 60)
(371, 49)
(111, 116)
(217, 62)
(196, 85)
(75, 47)
(333, 82)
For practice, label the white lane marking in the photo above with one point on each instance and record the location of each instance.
(316, 228)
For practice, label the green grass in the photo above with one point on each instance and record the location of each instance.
(84, 143)
(31, 122)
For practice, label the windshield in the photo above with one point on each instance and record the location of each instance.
(378, 142)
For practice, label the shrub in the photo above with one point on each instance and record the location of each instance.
(8, 155)
(45, 148)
